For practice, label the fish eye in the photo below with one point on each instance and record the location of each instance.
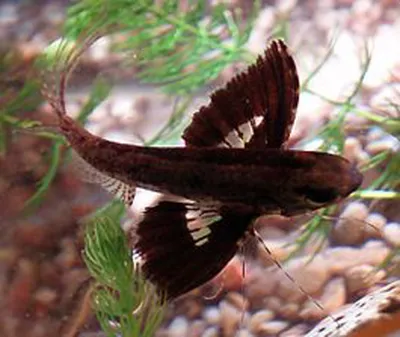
(318, 196)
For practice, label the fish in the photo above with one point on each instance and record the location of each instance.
(375, 314)
(235, 167)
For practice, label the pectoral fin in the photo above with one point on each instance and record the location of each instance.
(183, 246)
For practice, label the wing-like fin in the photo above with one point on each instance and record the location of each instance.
(182, 246)
(255, 109)
(88, 173)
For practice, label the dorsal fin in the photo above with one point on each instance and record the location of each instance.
(255, 109)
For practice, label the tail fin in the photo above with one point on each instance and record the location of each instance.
(58, 62)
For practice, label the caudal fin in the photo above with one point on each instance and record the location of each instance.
(58, 62)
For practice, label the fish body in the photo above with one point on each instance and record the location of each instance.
(234, 168)
(271, 179)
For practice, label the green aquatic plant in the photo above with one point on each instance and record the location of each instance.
(332, 138)
(181, 48)
(19, 95)
(125, 303)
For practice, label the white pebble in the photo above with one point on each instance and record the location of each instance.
(273, 328)
(353, 151)
(295, 331)
(212, 315)
(290, 311)
(230, 318)
(310, 275)
(178, 327)
(100, 50)
(392, 233)
(375, 133)
(374, 224)
(243, 333)
(197, 328)
(340, 259)
(362, 277)
(333, 297)
(273, 303)
(237, 300)
(259, 318)
(350, 228)
(387, 143)
(211, 332)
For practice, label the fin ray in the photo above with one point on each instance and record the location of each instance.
(177, 258)
(114, 186)
(256, 108)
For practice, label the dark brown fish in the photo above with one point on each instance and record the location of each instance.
(234, 168)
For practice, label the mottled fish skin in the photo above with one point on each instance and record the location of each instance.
(234, 168)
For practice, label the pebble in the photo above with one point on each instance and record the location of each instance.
(230, 318)
(8, 14)
(259, 318)
(362, 277)
(270, 232)
(212, 315)
(310, 275)
(375, 133)
(179, 327)
(237, 300)
(295, 331)
(273, 303)
(334, 294)
(374, 224)
(100, 50)
(340, 259)
(263, 283)
(278, 250)
(8, 259)
(285, 7)
(45, 299)
(391, 233)
(387, 143)
(191, 308)
(197, 328)
(273, 327)
(243, 333)
(35, 236)
(290, 311)
(45, 295)
(381, 100)
(19, 294)
(332, 298)
(68, 256)
(385, 56)
(350, 228)
(211, 332)
(353, 151)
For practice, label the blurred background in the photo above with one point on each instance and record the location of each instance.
(154, 65)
